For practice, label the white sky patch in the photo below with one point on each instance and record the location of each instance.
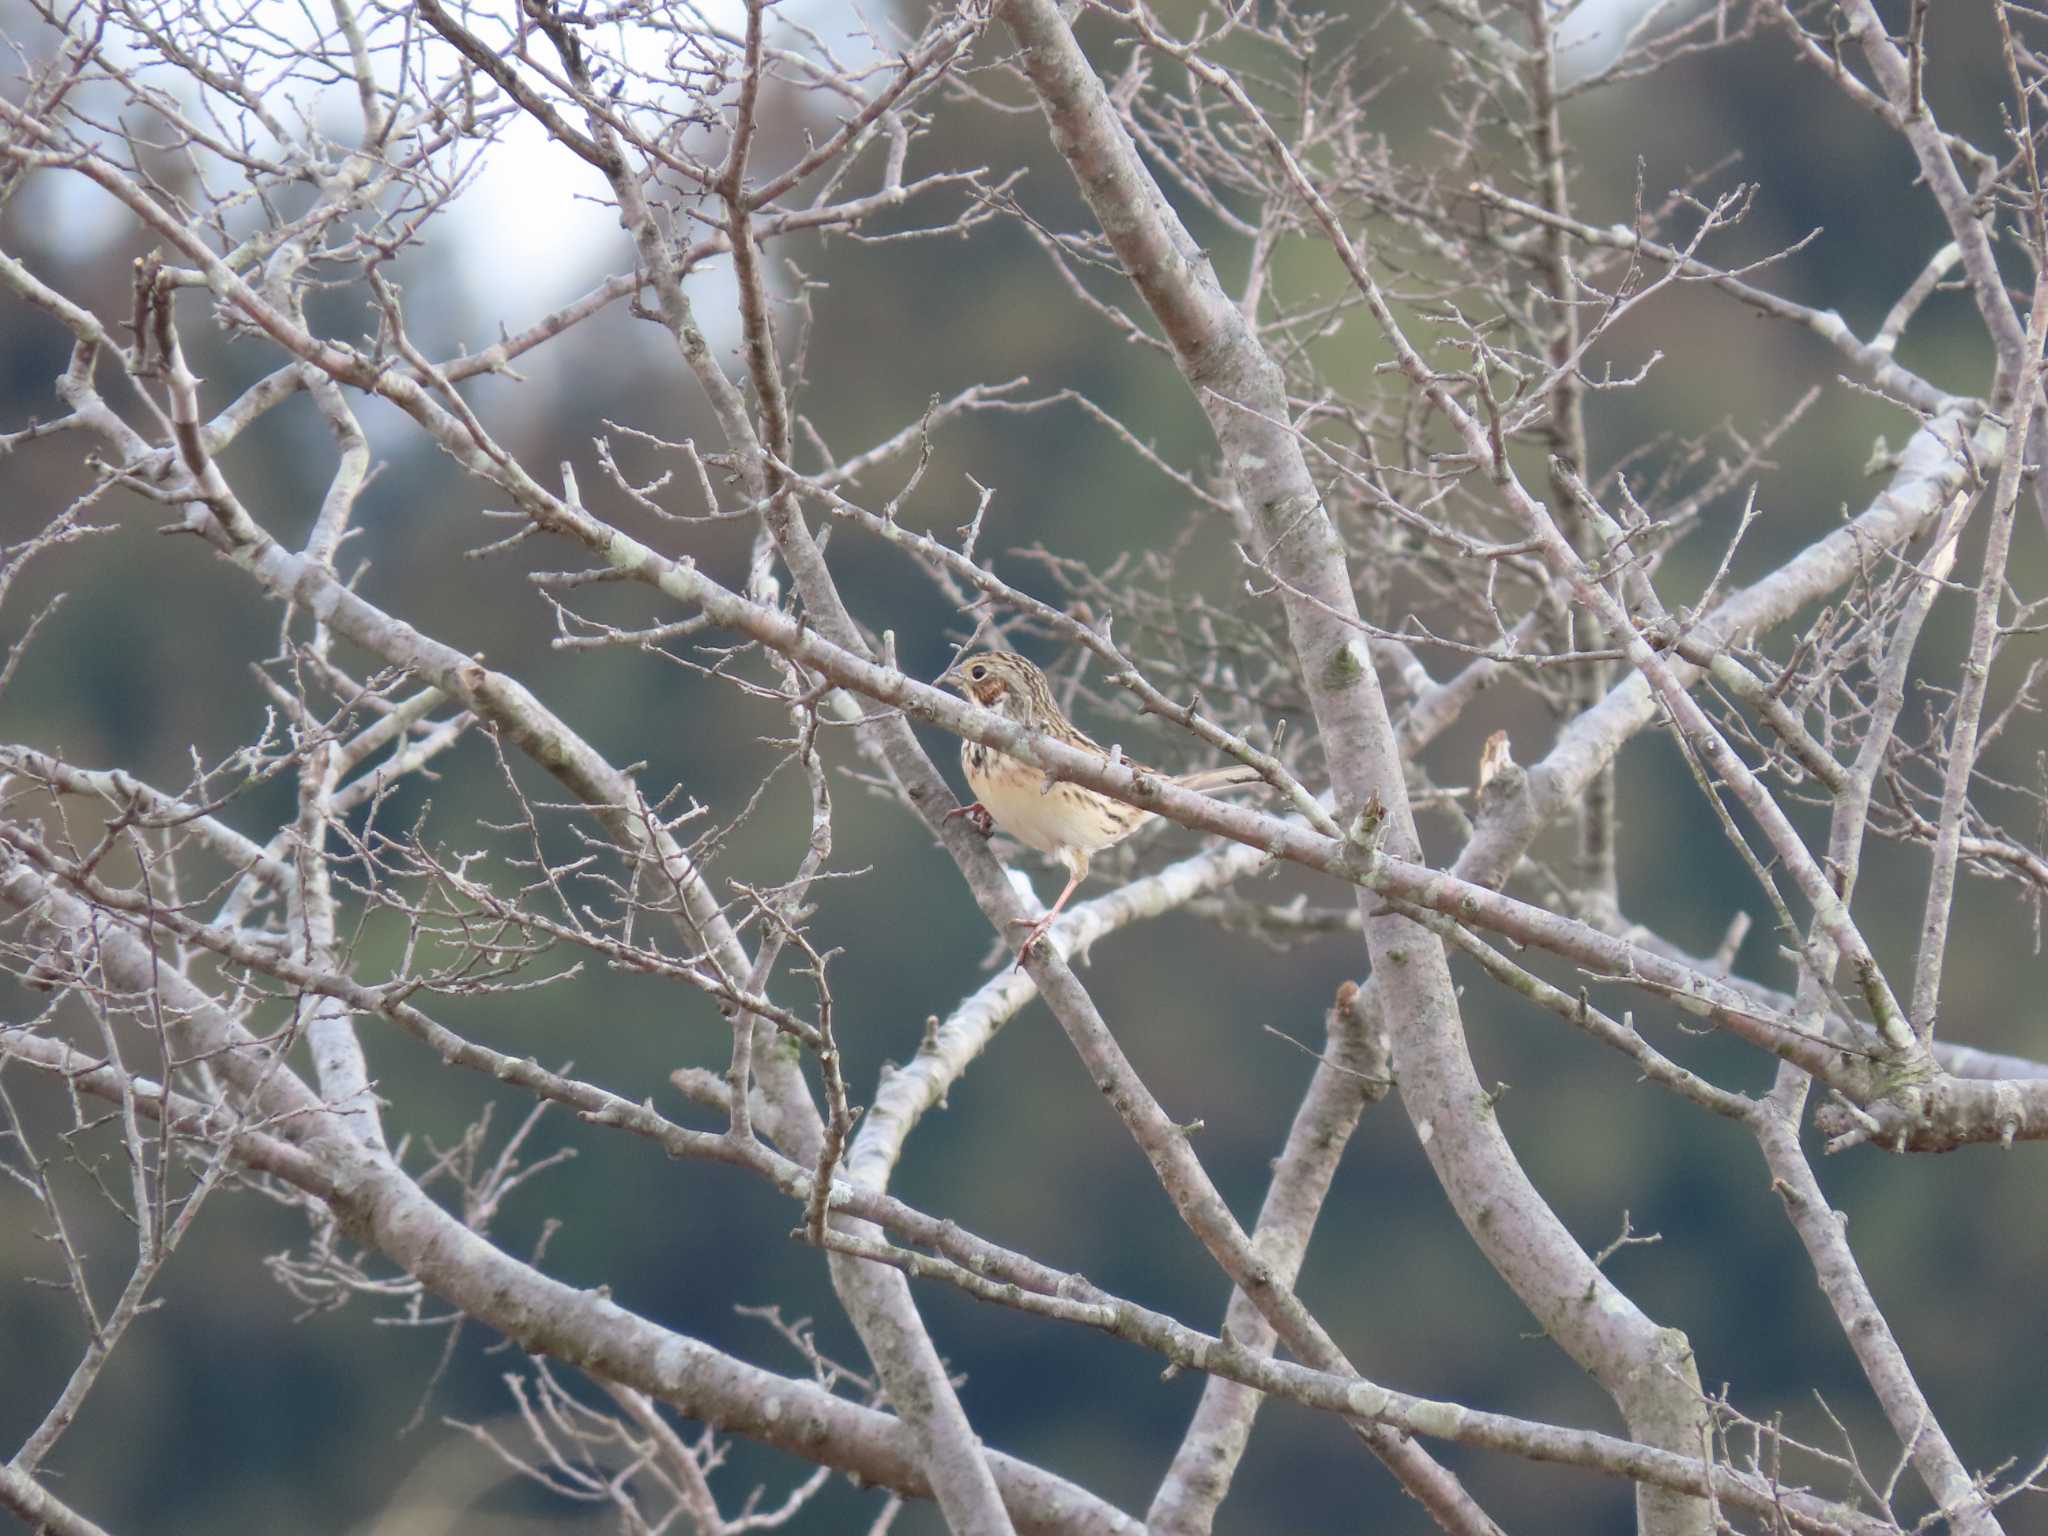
(538, 220)
(1593, 34)
(536, 224)
(534, 221)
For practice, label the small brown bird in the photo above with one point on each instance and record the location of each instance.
(1065, 821)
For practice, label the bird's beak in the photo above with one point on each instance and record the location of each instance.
(951, 678)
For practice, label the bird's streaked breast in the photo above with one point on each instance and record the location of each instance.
(1049, 820)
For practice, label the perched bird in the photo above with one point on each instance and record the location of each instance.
(1065, 821)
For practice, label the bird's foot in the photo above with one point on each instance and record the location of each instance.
(1038, 926)
(977, 815)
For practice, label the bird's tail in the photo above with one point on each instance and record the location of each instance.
(1213, 780)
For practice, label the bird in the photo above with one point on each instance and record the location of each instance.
(1067, 822)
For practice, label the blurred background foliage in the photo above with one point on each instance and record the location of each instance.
(232, 1410)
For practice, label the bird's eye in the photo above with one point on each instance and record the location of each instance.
(977, 672)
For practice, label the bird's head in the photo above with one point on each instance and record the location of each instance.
(999, 680)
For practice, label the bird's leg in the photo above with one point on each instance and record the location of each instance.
(1077, 867)
(977, 816)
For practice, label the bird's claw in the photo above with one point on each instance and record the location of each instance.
(1039, 926)
(977, 815)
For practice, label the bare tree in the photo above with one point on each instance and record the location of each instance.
(1429, 513)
